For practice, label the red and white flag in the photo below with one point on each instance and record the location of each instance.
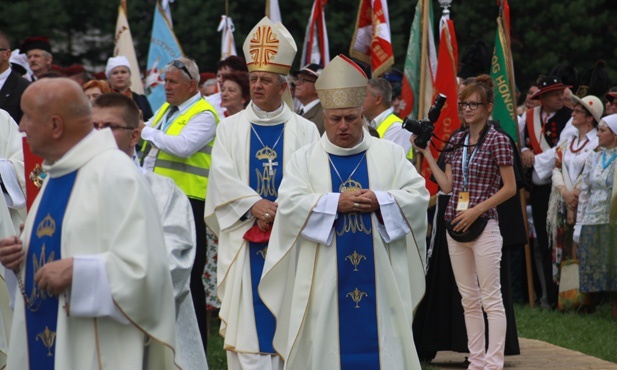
(316, 48)
(371, 41)
(228, 46)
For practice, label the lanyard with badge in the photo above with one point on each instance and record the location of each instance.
(463, 196)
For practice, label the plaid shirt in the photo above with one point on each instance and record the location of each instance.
(484, 176)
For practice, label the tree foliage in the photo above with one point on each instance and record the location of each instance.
(544, 32)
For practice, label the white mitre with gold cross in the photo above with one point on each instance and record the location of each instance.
(269, 47)
(342, 84)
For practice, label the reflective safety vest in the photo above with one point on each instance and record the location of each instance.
(190, 174)
(385, 125)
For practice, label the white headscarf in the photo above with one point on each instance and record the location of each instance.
(114, 62)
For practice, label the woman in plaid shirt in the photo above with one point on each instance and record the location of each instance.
(481, 159)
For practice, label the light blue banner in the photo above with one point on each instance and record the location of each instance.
(164, 47)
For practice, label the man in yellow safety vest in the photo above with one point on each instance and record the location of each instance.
(178, 144)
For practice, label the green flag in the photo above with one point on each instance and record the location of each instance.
(504, 109)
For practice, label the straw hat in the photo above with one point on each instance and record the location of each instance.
(592, 104)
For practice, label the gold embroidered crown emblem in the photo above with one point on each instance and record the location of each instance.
(266, 153)
(47, 227)
(351, 185)
(264, 46)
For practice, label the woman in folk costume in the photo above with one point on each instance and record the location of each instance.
(597, 217)
(570, 158)
(474, 173)
(118, 72)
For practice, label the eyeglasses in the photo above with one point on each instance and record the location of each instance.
(471, 105)
(178, 64)
(579, 111)
(611, 102)
(300, 81)
(102, 125)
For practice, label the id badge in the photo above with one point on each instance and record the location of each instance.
(463, 201)
(154, 151)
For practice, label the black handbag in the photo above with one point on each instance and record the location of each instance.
(471, 234)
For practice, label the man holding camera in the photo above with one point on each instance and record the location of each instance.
(359, 244)
(377, 108)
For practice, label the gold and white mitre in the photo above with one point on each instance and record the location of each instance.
(269, 47)
(342, 84)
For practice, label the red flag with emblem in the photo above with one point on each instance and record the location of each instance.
(371, 42)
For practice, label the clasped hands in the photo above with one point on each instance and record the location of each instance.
(362, 201)
(264, 212)
(54, 277)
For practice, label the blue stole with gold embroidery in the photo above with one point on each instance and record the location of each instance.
(266, 173)
(41, 308)
(357, 299)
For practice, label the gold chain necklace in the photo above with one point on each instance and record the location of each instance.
(342, 187)
(270, 157)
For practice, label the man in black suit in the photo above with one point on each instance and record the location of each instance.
(307, 94)
(12, 85)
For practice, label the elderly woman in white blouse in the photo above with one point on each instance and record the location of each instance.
(597, 214)
(570, 157)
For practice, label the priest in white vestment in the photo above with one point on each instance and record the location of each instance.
(12, 210)
(91, 266)
(345, 267)
(250, 151)
(119, 113)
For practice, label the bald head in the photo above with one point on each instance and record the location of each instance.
(57, 115)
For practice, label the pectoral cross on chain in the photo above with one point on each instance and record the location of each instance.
(270, 166)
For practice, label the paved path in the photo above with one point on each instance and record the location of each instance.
(534, 355)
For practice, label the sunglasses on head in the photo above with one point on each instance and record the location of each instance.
(178, 64)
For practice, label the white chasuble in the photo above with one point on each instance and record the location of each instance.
(299, 279)
(228, 200)
(12, 214)
(111, 216)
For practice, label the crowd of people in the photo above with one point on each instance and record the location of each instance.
(287, 203)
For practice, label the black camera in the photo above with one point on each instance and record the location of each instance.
(424, 129)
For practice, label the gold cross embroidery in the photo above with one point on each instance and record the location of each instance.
(263, 46)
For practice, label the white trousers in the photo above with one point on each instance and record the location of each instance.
(251, 361)
(476, 270)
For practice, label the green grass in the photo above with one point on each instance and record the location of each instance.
(217, 359)
(593, 334)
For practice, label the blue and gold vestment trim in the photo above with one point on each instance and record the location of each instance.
(357, 294)
(44, 247)
(265, 175)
